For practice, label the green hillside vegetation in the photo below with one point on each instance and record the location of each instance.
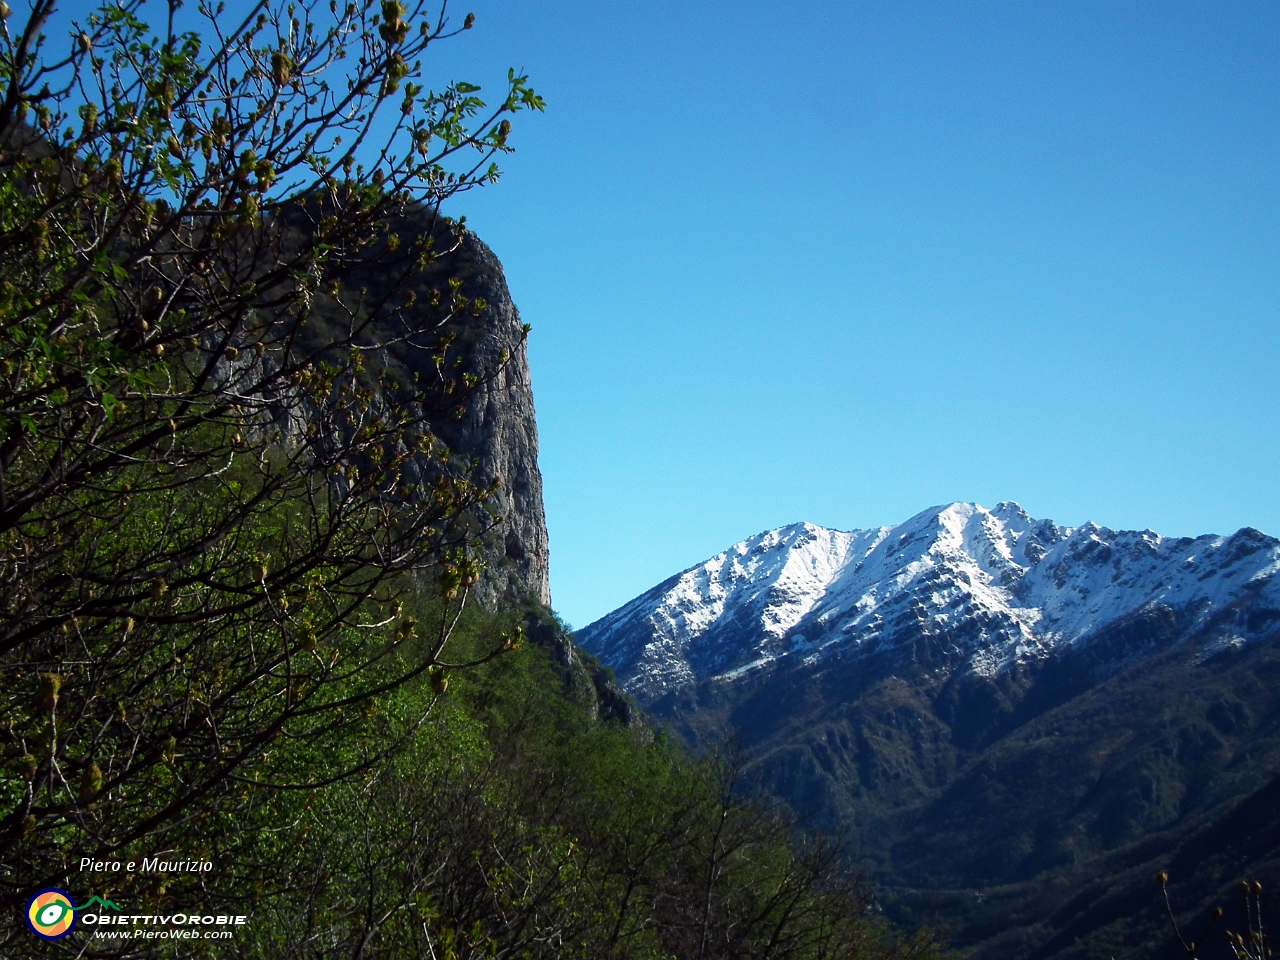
(1030, 812)
(236, 554)
(1168, 765)
(515, 824)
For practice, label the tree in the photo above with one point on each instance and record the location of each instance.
(215, 500)
(1253, 944)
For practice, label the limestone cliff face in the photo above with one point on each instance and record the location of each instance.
(496, 427)
(500, 431)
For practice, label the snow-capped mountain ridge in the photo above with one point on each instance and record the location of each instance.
(992, 586)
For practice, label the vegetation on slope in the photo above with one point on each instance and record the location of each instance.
(515, 824)
(1030, 812)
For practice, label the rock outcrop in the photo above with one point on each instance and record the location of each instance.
(500, 431)
(493, 428)
(497, 428)
(490, 428)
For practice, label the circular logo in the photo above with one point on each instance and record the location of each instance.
(50, 914)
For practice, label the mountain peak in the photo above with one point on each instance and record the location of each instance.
(1007, 509)
(989, 588)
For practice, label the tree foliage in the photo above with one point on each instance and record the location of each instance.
(211, 494)
(515, 825)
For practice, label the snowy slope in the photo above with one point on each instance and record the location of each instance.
(992, 586)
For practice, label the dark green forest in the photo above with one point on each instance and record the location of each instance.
(238, 560)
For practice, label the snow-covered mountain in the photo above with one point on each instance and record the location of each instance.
(990, 588)
(981, 701)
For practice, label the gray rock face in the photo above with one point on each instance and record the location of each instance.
(500, 431)
(496, 427)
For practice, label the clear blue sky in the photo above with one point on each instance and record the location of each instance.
(841, 261)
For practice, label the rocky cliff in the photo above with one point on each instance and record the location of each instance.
(496, 428)
(493, 427)
(500, 431)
